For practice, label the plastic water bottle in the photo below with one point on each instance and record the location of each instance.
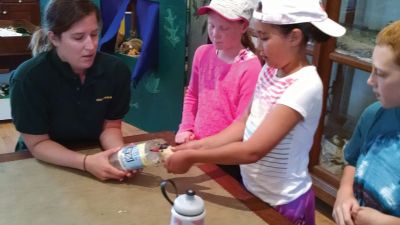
(137, 156)
(187, 209)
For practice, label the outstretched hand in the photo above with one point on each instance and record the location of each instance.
(196, 144)
(179, 162)
(99, 165)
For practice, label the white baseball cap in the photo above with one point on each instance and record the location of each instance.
(231, 9)
(283, 12)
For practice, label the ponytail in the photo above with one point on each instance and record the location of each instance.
(247, 42)
(39, 42)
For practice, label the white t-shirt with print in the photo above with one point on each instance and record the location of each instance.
(282, 175)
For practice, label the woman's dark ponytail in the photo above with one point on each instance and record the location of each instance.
(40, 42)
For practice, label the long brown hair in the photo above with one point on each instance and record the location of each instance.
(247, 42)
(59, 16)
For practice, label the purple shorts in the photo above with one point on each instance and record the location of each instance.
(300, 211)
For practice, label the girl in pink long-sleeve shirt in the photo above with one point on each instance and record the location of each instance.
(218, 92)
(224, 73)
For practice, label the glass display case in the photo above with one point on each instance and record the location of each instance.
(348, 96)
(345, 65)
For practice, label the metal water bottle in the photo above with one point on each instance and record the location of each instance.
(187, 209)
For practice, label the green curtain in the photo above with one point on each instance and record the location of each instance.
(156, 102)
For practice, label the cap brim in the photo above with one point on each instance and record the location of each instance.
(330, 28)
(203, 10)
(206, 9)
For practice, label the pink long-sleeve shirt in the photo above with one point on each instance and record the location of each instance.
(218, 92)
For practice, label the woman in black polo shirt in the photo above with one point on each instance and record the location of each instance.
(68, 92)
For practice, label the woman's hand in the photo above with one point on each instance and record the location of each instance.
(99, 165)
(184, 137)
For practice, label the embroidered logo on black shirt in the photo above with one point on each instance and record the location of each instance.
(103, 98)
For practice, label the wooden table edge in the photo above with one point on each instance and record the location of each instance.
(168, 136)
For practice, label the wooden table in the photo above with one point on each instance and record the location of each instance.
(33, 192)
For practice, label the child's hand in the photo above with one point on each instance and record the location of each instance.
(184, 137)
(166, 153)
(99, 165)
(345, 205)
(179, 162)
(197, 144)
(368, 216)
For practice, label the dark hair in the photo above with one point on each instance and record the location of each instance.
(310, 32)
(59, 16)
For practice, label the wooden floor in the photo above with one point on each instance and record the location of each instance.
(9, 137)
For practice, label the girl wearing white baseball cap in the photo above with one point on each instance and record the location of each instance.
(287, 105)
(271, 142)
(224, 73)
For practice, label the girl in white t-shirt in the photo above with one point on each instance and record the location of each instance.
(272, 141)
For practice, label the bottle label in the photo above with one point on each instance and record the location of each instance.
(130, 157)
